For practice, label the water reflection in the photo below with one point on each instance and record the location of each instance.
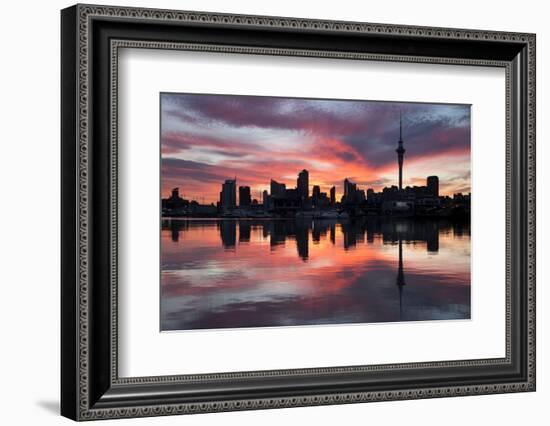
(252, 273)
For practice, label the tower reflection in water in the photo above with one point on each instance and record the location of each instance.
(241, 273)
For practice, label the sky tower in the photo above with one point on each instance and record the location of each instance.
(400, 152)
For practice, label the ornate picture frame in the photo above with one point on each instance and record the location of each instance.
(91, 37)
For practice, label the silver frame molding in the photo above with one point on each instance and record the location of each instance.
(91, 388)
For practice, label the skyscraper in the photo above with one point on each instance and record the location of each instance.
(315, 195)
(333, 196)
(400, 153)
(244, 196)
(303, 185)
(432, 182)
(228, 196)
(350, 192)
(278, 190)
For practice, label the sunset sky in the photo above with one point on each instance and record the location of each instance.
(206, 139)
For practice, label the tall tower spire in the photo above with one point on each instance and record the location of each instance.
(400, 128)
(400, 152)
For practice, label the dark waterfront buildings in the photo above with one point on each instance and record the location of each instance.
(174, 202)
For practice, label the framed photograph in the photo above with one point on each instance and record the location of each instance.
(263, 212)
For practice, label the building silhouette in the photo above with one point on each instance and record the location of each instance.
(432, 182)
(302, 185)
(349, 191)
(244, 196)
(228, 195)
(333, 196)
(174, 202)
(352, 195)
(315, 195)
(277, 190)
